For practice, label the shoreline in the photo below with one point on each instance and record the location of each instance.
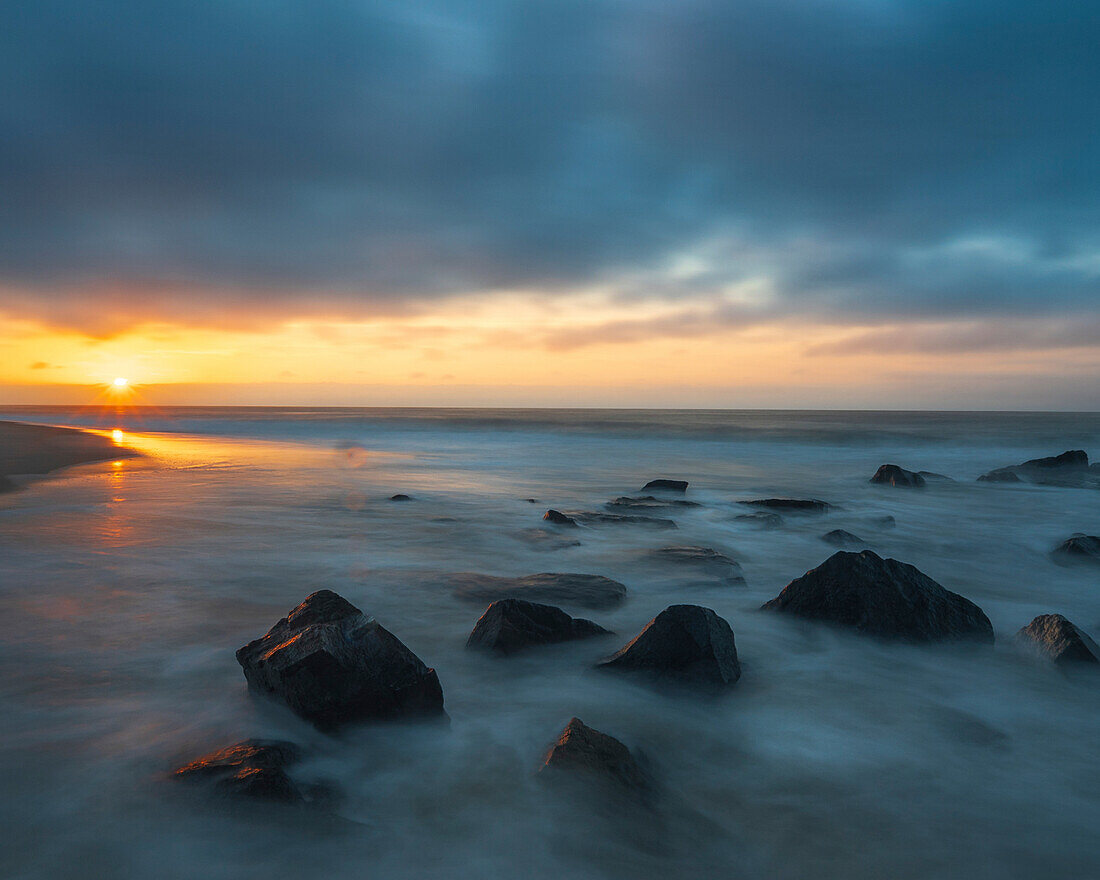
(35, 451)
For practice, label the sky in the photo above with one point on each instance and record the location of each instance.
(774, 203)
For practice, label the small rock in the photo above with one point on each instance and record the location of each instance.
(648, 502)
(595, 518)
(544, 539)
(885, 522)
(400, 496)
(932, 476)
(686, 643)
(666, 486)
(509, 625)
(892, 475)
(251, 768)
(709, 565)
(584, 750)
(767, 520)
(1001, 475)
(1077, 549)
(884, 598)
(797, 505)
(584, 590)
(332, 664)
(841, 538)
(558, 518)
(1059, 640)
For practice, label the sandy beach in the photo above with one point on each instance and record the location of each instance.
(32, 450)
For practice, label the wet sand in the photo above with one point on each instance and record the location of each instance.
(32, 450)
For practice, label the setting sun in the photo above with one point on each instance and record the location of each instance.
(120, 382)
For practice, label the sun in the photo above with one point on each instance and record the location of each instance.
(120, 382)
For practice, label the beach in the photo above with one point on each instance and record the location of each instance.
(33, 450)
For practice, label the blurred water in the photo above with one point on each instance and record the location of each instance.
(126, 588)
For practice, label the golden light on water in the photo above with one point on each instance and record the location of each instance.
(117, 435)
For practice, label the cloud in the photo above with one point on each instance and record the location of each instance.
(226, 163)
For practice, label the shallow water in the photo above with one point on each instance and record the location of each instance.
(127, 587)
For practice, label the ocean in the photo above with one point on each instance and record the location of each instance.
(127, 586)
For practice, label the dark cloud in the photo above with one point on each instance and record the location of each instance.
(871, 160)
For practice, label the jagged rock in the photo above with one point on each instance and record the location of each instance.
(595, 518)
(1059, 640)
(648, 502)
(684, 643)
(252, 768)
(400, 496)
(544, 539)
(584, 590)
(1068, 469)
(1077, 549)
(583, 750)
(332, 664)
(892, 475)
(796, 505)
(841, 538)
(767, 520)
(558, 518)
(884, 598)
(708, 566)
(509, 625)
(666, 485)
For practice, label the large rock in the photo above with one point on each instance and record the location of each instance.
(332, 664)
(699, 566)
(684, 643)
(583, 750)
(1078, 549)
(252, 768)
(892, 475)
(663, 485)
(1071, 469)
(509, 625)
(884, 598)
(584, 590)
(794, 505)
(1059, 639)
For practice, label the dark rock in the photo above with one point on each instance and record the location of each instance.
(532, 501)
(684, 643)
(885, 522)
(666, 485)
(1069, 469)
(333, 664)
(251, 768)
(595, 518)
(400, 496)
(1059, 640)
(585, 590)
(558, 518)
(544, 539)
(767, 520)
(884, 598)
(707, 565)
(841, 538)
(511, 624)
(892, 475)
(932, 476)
(583, 750)
(797, 505)
(648, 502)
(1077, 549)
(1001, 475)
(1075, 459)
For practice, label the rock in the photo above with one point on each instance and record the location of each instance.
(884, 598)
(666, 486)
(1059, 640)
(1001, 475)
(932, 476)
(584, 590)
(884, 522)
(558, 518)
(1068, 469)
(544, 539)
(252, 768)
(767, 520)
(509, 625)
(709, 567)
(332, 664)
(1077, 549)
(532, 501)
(400, 496)
(583, 750)
(797, 505)
(648, 502)
(892, 475)
(684, 643)
(841, 538)
(1075, 459)
(595, 518)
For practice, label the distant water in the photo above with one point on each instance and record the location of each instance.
(127, 587)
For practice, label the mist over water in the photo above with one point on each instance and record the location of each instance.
(127, 588)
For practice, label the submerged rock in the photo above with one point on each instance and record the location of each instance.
(648, 502)
(1069, 469)
(1077, 549)
(583, 750)
(933, 477)
(841, 538)
(1001, 475)
(595, 518)
(666, 485)
(892, 475)
(1060, 640)
(400, 496)
(685, 643)
(708, 566)
(796, 505)
(332, 664)
(558, 518)
(512, 624)
(585, 590)
(884, 598)
(252, 768)
(885, 522)
(545, 539)
(767, 520)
